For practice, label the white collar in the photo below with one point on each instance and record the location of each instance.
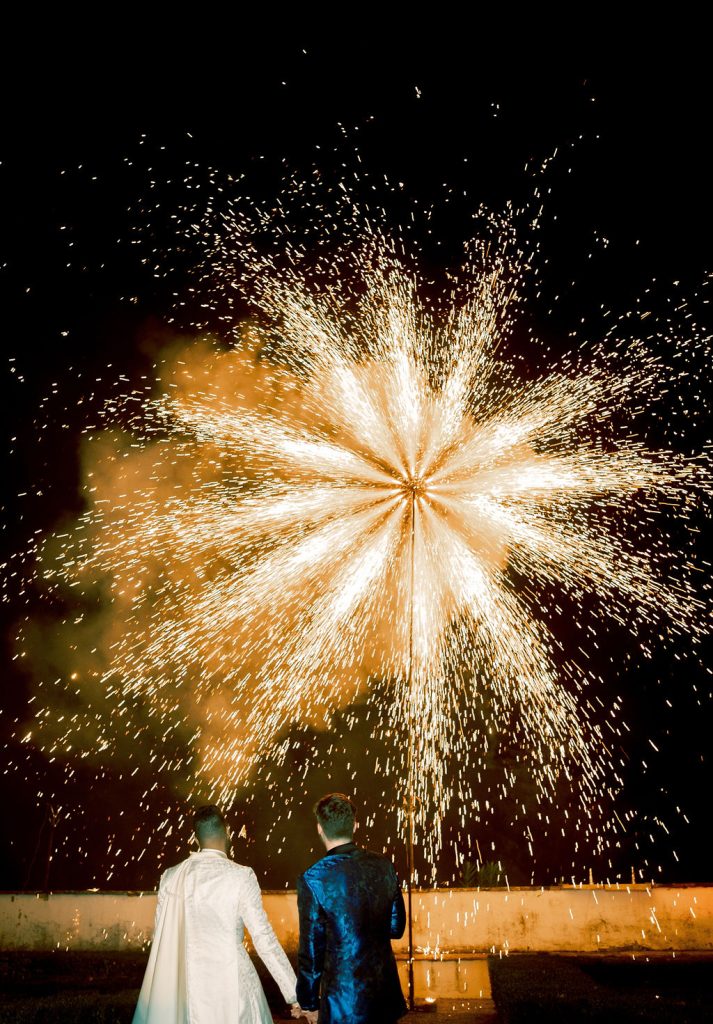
(198, 853)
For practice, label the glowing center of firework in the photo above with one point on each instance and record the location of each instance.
(414, 488)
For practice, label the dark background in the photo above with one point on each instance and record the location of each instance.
(81, 128)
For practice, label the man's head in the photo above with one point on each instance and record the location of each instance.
(210, 828)
(335, 814)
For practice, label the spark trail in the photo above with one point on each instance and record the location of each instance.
(256, 541)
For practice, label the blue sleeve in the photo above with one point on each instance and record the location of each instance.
(398, 912)
(313, 936)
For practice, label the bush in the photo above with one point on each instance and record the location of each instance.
(487, 876)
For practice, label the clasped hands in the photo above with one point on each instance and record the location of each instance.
(308, 1015)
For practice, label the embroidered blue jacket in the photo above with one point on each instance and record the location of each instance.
(350, 906)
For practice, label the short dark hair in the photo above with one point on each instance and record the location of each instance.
(336, 813)
(209, 823)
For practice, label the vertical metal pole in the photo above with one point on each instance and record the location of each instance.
(54, 817)
(410, 759)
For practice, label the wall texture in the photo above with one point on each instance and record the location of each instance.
(446, 921)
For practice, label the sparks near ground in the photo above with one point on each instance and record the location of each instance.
(363, 489)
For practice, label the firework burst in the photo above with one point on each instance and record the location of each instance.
(363, 489)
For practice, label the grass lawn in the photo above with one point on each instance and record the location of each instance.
(56, 987)
(533, 988)
(102, 988)
(81, 988)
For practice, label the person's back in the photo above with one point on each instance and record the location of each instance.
(199, 970)
(350, 906)
(222, 898)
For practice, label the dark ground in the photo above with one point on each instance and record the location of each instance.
(102, 988)
(561, 989)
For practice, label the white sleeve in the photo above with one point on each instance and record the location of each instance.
(264, 939)
(161, 899)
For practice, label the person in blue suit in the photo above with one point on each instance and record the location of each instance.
(350, 908)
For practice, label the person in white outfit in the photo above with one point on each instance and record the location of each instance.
(199, 971)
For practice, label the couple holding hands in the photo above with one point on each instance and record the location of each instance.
(350, 907)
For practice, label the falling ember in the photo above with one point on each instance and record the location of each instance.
(354, 495)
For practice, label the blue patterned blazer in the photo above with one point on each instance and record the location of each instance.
(350, 907)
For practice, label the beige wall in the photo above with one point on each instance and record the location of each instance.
(459, 921)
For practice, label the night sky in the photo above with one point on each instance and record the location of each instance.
(80, 309)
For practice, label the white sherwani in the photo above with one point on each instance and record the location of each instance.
(199, 971)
